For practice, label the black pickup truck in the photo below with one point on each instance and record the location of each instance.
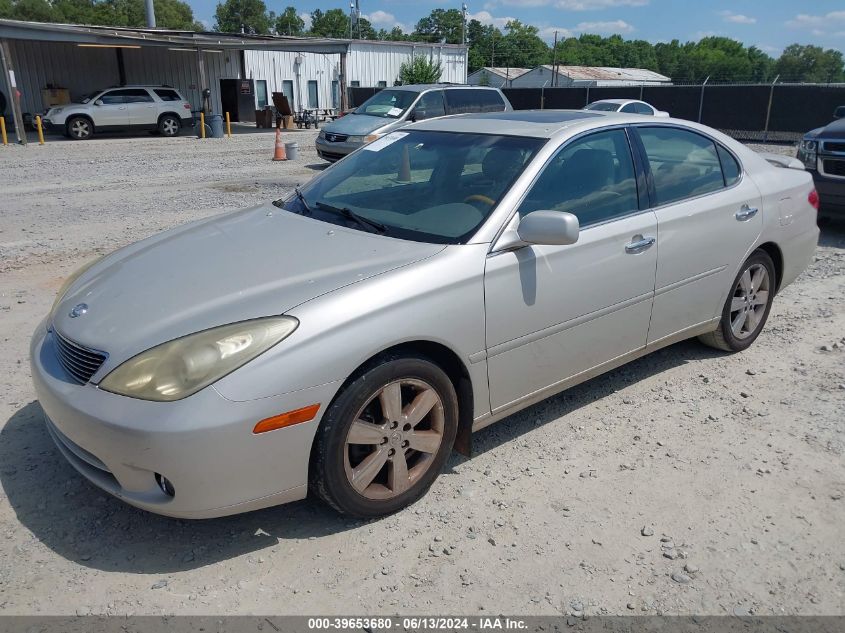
(823, 153)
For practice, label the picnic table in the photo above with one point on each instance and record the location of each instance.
(314, 116)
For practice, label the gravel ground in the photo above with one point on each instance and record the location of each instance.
(688, 482)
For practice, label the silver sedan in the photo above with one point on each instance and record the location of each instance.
(345, 339)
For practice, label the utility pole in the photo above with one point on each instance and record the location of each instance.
(464, 24)
(554, 63)
(701, 99)
(358, 18)
(493, 49)
(151, 15)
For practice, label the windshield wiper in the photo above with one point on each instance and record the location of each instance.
(306, 209)
(371, 225)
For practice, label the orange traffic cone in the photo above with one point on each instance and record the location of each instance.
(280, 147)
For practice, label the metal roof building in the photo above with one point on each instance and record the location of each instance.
(495, 77)
(313, 72)
(593, 76)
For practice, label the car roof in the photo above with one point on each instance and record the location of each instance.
(422, 87)
(536, 123)
(617, 101)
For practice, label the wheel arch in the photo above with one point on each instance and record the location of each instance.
(445, 358)
(81, 115)
(175, 115)
(773, 251)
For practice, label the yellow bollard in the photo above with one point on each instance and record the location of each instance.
(40, 130)
(3, 130)
(202, 124)
(228, 126)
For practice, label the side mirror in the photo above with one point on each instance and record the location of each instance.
(548, 227)
(839, 113)
(418, 115)
(98, 102)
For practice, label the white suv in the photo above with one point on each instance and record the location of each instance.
(122, 108)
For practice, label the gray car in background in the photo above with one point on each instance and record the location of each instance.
(344, 339)
(392, 108)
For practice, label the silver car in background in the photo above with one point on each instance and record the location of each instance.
(392, 108)
(345, 339)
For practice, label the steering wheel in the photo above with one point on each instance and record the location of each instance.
(480, 198)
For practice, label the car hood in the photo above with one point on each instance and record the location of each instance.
(358, 124)
(237, 266)
(833, 130)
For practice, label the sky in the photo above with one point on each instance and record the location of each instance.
(770, 25)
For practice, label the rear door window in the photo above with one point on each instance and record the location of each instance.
(465, 100)
(167, 95)
(730, 168)
(683, 164)
(136, 95)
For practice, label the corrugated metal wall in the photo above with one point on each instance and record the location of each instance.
(63, 65)
(368, 64)
(275, 67)
(179, 69)
(82, 70)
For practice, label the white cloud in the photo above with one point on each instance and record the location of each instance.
(485, 17)
(381, 17)
(737, 18)
(804, 21)
(548, 33)
(609, 27)
(306, 17)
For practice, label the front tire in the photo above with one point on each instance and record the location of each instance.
(385, 438)
(79, 128)
(747, 306)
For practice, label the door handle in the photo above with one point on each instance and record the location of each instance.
(745, 213)
(639, 244)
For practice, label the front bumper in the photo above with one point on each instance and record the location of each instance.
(334, 151)
(203, 444)
(49, 126)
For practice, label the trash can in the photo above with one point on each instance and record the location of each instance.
(292, 150)
(216, 122)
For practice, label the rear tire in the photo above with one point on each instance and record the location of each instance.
(169, 125)
(385, 438)
(747, 307)
(79, 128)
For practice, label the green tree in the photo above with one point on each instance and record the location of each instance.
(810, 63)
(331, 23)
(481, 39)
(288, 22)
(33, 10)
(441, 25)
(251, 15)
(420, 70)
(6, 10)
(521, 47)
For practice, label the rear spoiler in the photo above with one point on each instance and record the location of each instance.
(779, 160)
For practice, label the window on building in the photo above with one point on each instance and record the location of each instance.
(313, 95)
(355, 84)
(287, 90)
(261, 93)
(335, 94)
(382, 84)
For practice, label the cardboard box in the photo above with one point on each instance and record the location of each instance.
(55, 97)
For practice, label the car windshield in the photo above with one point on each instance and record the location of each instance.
(603, 106)
(436, 187)
(389, 104)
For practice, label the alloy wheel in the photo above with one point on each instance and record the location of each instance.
(169, 127)
(394, 439)
(750, 297)
(80, 128)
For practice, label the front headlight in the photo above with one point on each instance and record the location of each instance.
(180, 368)
(54, 111)
(369, 138)
(69, 282)
(808, 145)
